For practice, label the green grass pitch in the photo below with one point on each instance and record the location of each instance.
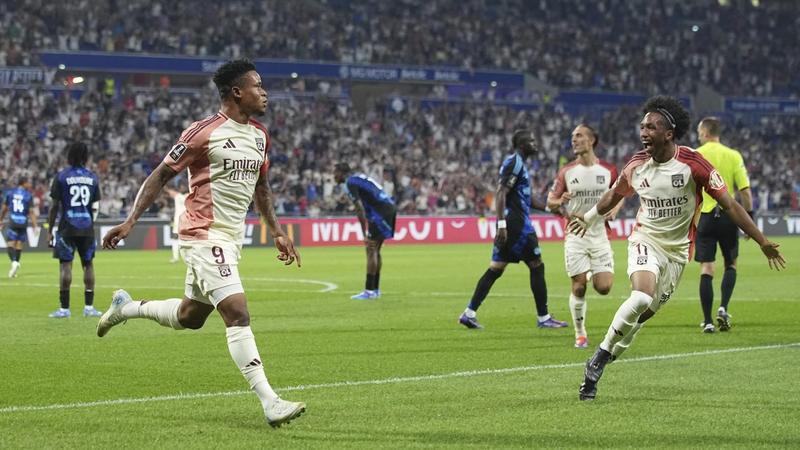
(398, 372)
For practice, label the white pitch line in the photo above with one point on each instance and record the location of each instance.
(393, 380)
(326, 285)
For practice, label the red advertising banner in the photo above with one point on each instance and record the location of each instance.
(430, 230)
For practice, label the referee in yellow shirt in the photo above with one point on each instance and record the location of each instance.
(715, 227)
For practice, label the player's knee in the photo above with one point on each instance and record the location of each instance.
(237, 319)
(497, 269)
(578, 290)
(639, 301)
(602, 290)
(192, 323)
(602, 287)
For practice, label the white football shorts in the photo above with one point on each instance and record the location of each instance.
(581, 256)
(212, 270)
(645, 256)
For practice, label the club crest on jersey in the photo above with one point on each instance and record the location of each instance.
(601, 179)
(177, 151)
(715, 180)
(260, 144)
(677, 180)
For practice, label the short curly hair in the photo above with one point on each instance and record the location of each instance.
(229, 75)
(518, 135)
(676, 117)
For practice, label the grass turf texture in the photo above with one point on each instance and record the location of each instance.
(313, 342)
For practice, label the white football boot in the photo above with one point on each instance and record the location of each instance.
(113, 316)
(283, 411)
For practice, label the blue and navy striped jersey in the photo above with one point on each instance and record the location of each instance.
(19, 202)
(514, 176)
(76, 188)
(364, 188)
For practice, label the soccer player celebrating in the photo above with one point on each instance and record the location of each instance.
(715, 227)
(584, 180)
(669, 180)
(226, 155)
(19, 201)
(75, 193)
(376, 212)
(516, 239)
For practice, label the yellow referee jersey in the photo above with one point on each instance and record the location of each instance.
(729, 164)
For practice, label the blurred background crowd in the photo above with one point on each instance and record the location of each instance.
(741, 47)
(433, 157)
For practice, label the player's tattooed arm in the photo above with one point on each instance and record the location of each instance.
(263, 202)
(147, 194)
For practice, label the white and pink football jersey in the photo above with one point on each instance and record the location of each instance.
(586, 184)
(670, 194)
(225, 159)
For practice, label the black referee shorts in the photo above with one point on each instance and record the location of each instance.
(714, 228)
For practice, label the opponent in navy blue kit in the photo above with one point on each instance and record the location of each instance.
(376, 212)
(18, 205)
(516, 239)
(74, 192)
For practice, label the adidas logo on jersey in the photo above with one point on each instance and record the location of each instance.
(574, 181)
(229, 144)
(644, 184)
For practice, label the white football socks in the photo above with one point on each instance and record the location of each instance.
(242, 345)
(577, 306)
(165, 312)
(625, 318)
(625, 342)
(175, 248)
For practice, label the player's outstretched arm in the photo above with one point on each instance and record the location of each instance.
(263, 201)
(144, 198)
(740, 217)
(581, 222)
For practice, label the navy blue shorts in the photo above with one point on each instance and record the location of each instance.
(66, 247)
(518, 247)
(16, 233)
(381, 224)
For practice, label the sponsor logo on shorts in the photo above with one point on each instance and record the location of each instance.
(641, 260)
(224, 270)
(677, 180)
(177, 151)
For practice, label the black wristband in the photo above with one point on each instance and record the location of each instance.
(750, 213)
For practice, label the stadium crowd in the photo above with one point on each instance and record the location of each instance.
(433, 160)
(636, 46)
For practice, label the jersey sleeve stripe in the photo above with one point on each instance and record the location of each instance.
(517, 164)
(200, 127)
